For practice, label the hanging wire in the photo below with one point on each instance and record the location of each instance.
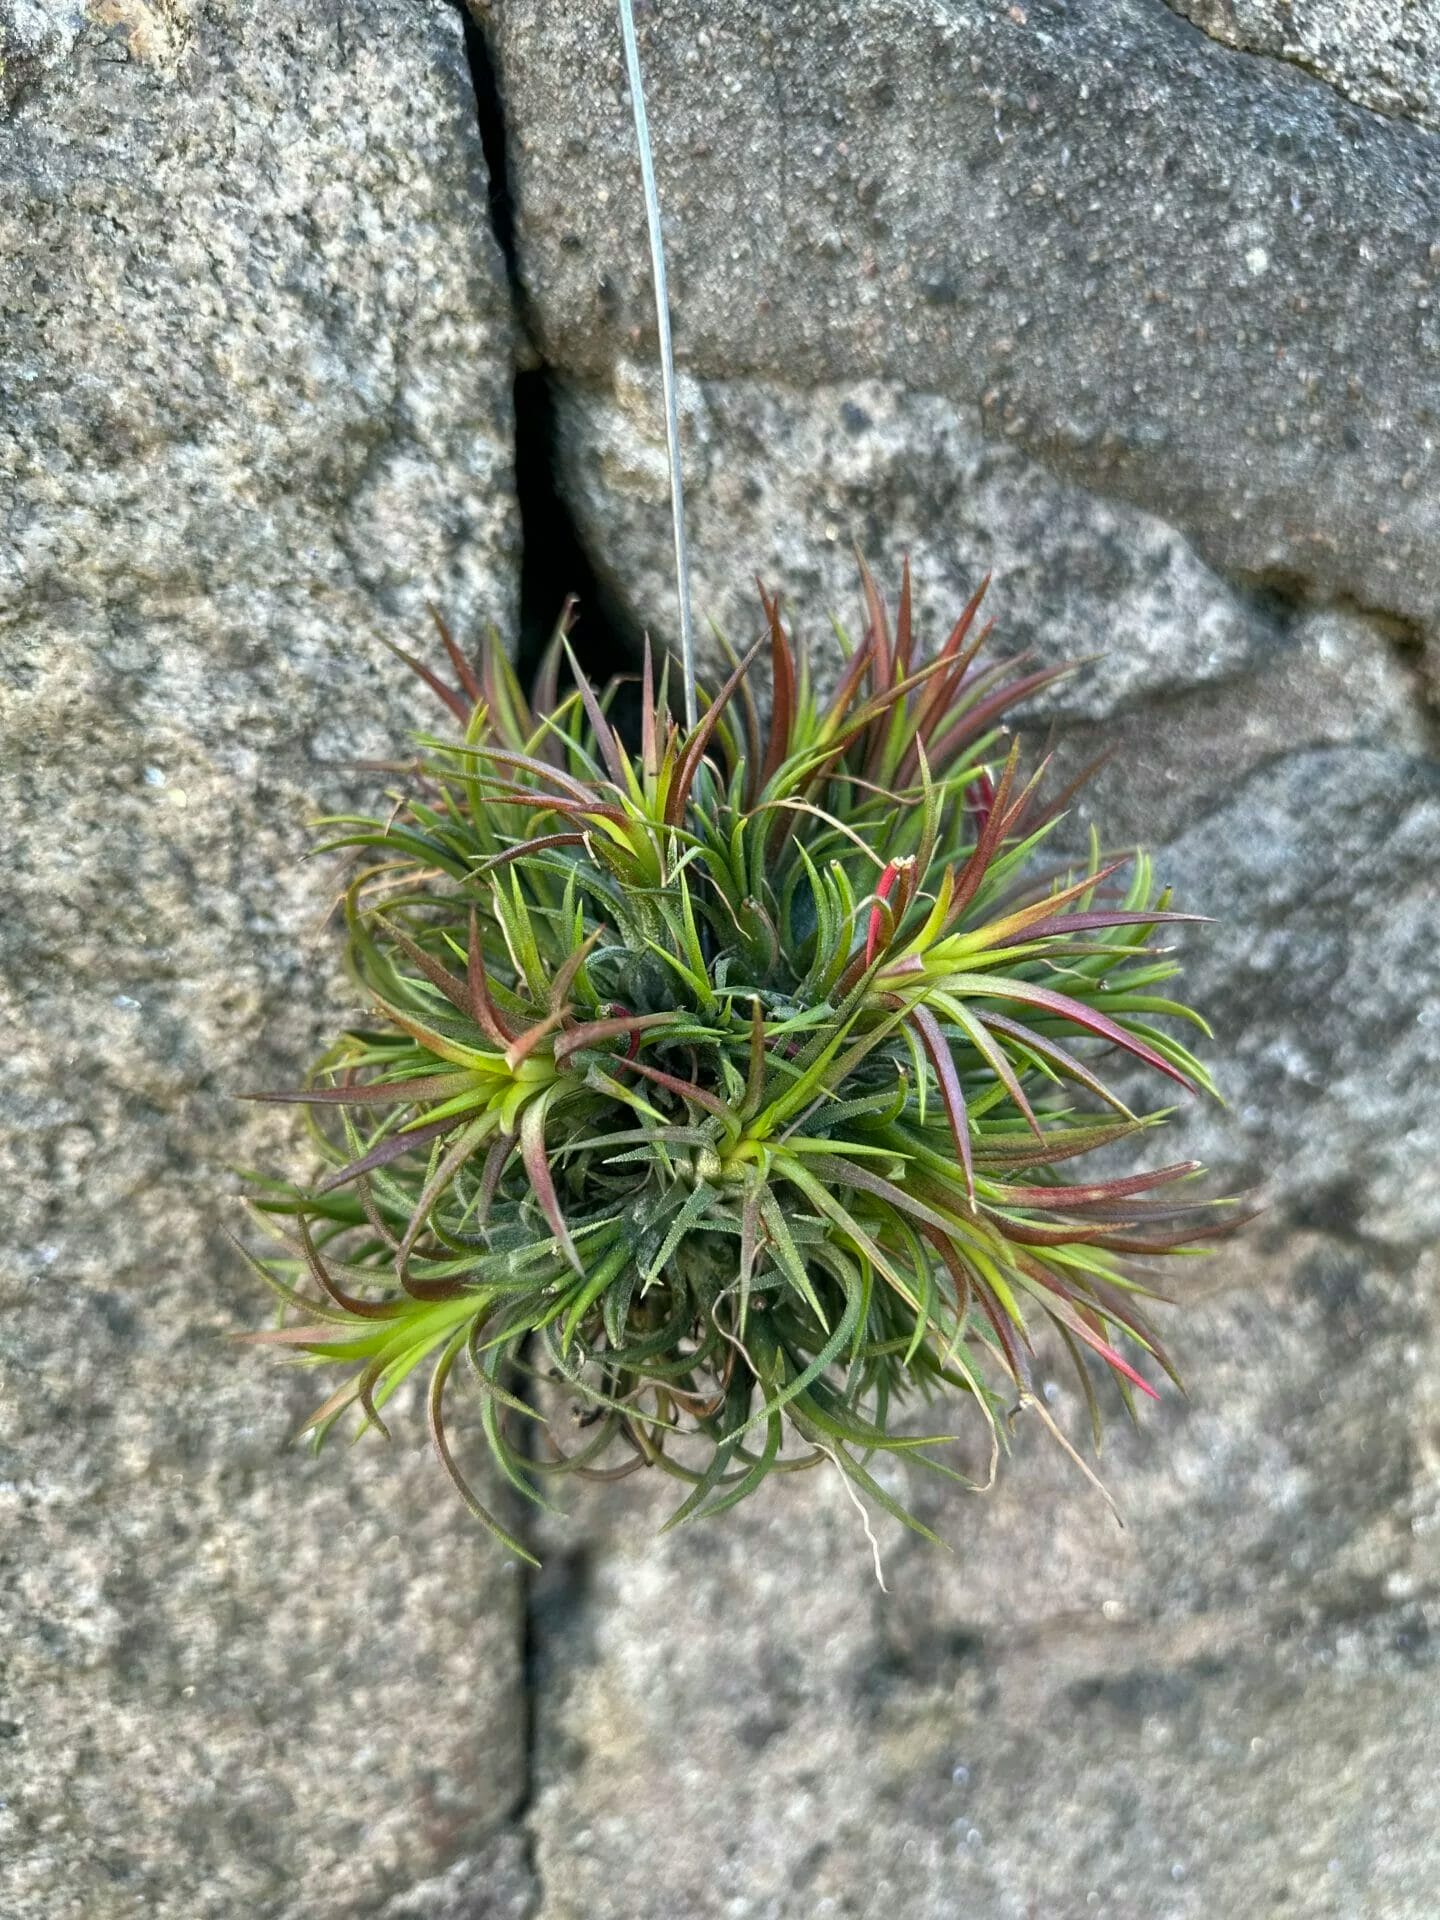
(667, 361)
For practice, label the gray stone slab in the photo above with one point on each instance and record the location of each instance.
(256, 354)
(1383, 53)
(1195, 279)
(1225, 1708)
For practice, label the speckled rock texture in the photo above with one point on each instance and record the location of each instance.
(1149, 327)
(1146, 324)
(1199, 281)
(1384, 54)
(255, 360)
(1225, 1708)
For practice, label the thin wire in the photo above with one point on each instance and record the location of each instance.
(667, 361)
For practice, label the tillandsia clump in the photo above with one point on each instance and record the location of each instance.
(733, 1078)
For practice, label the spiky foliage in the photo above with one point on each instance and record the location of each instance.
(733, 1079)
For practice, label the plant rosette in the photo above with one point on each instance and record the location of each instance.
(735, 1078)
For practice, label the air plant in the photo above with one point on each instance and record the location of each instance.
(732, 1078)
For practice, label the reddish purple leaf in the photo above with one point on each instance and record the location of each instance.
(320, 1273)
(482, 1006)
(389, 1149)
(1058, 1056)
(537, 1169)
(457, 659)
(435, 971)
(904, 628)
(1097, 1191)
(429, 1086)
(687, 1089)
(1064, 1007)
(522, 850)
(611, 752)
(971, 875)
(951, 1092)
(1067, 923)
(592, 1032)
(782, 674)
(436, 685)
(980, 718)
(1065, 1311)
(679, 795)
(877, 625)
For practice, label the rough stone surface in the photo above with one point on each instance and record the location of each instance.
(1305, 819)
(255, 359)
(787, 483)
(1323, 970)
(1199, 281)
(1383, 53)
(1222, 704)
(1148, 326)
(1143, 323)
(497, 1883)
(1222, 1709)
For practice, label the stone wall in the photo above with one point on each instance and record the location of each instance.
(256, 356)
(1140, 311)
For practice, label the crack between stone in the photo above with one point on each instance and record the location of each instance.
(524, 1814)
(554, 564)
(1403, 638)
(1358, 1604)
(1291, 593)
(554, 560)
(1418, 660)
(552, 552)
(1299, 64)
(537, 503)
